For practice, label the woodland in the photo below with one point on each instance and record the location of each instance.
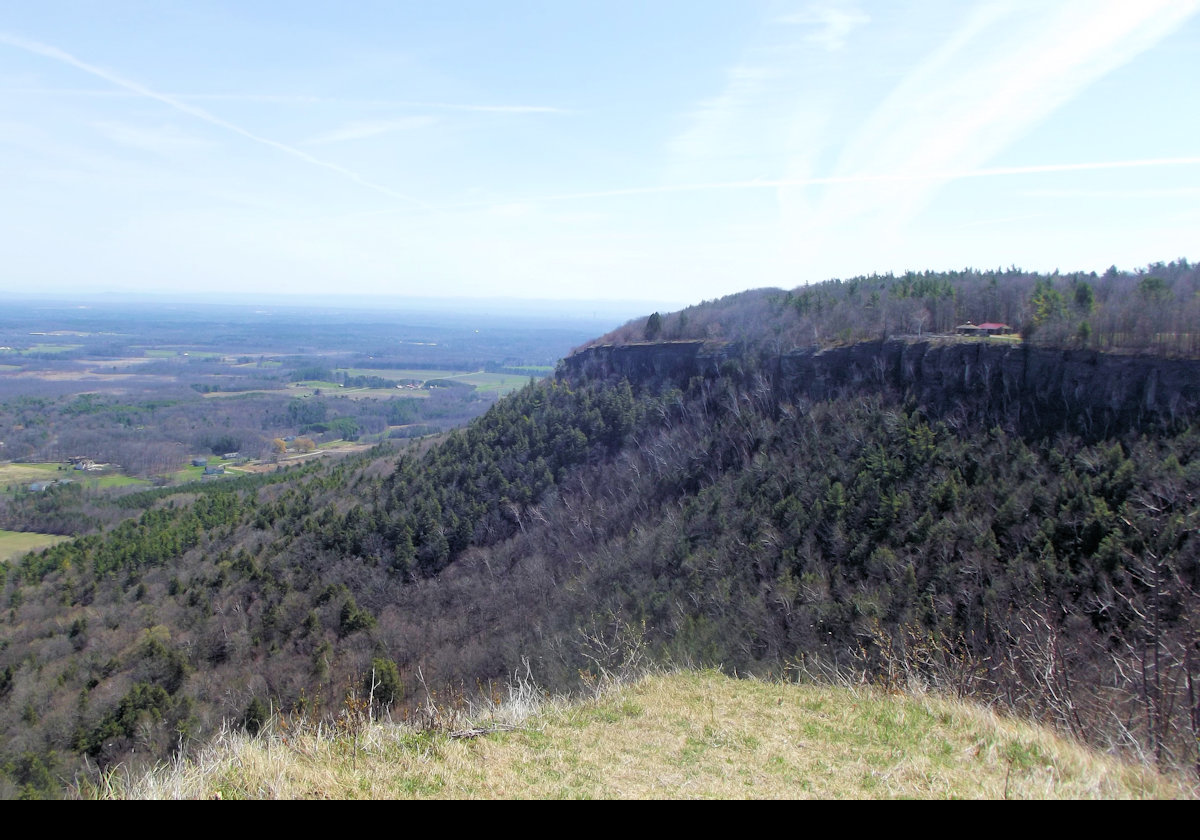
(727, 513)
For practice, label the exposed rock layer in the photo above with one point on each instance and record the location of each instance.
(1032, 390)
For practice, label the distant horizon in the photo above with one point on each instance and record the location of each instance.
(398, 301)
(601, 315)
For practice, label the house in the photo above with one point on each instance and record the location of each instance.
(214, 470)
(199, 462)
(990, 328)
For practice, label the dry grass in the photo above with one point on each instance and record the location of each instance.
(683, 735)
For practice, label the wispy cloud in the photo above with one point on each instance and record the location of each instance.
(1149, 192)
(1006, 68)
(716, 127)
(1001, 69)
(1003, 220)
(164, 141)
(910, 177)
(832, 21)
(300, 99)
(364, 129)
(141, 90)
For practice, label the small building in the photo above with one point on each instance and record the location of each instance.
(218, 470)
(989, 328)
(199, 462)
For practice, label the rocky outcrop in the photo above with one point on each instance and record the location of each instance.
(651, 362)
(1032, 390)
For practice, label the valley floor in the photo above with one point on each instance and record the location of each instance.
(689, 735)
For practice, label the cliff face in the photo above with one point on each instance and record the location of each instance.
(646, 362)
(1033, 390)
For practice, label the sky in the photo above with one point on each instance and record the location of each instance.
(575, 150)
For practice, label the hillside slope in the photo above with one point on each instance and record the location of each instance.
(693, 735)
(1014, 524)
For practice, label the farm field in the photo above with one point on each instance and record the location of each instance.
(333, 389)
(260, 391)
(171, 353)
(15, 476)
(18, 543)
(12, 474)
(500, 383)
(50, 348)
(193, 473)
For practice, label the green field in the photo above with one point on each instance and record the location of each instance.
(110, 480)
(379, 393)
(18, 543)
(236, 394)
(501, 383)
(396, 375)
(186, 475)
(319, 383)
(166, 353)
(19, 476)
(189, 473)
(51, 348)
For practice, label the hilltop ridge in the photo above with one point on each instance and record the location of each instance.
(684, 735)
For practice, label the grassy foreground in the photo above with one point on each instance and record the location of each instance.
(683, 735)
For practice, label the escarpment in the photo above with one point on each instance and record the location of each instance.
(1033, 390)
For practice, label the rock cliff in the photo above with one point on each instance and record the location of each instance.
(1032, 390)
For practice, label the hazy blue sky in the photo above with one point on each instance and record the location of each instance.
(639, 150)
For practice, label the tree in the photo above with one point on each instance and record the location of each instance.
(383, 684)
(1084, 333)
(653, 327)
(1085, 297)
(1153, 289)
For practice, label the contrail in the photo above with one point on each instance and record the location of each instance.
(199, 113)
(303, 99)
(865, 178)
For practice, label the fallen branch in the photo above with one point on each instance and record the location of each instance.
(486, 730)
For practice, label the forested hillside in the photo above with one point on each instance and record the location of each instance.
(835, 513)
(1155, 309)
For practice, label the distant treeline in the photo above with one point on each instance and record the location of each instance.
(1155, 309)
